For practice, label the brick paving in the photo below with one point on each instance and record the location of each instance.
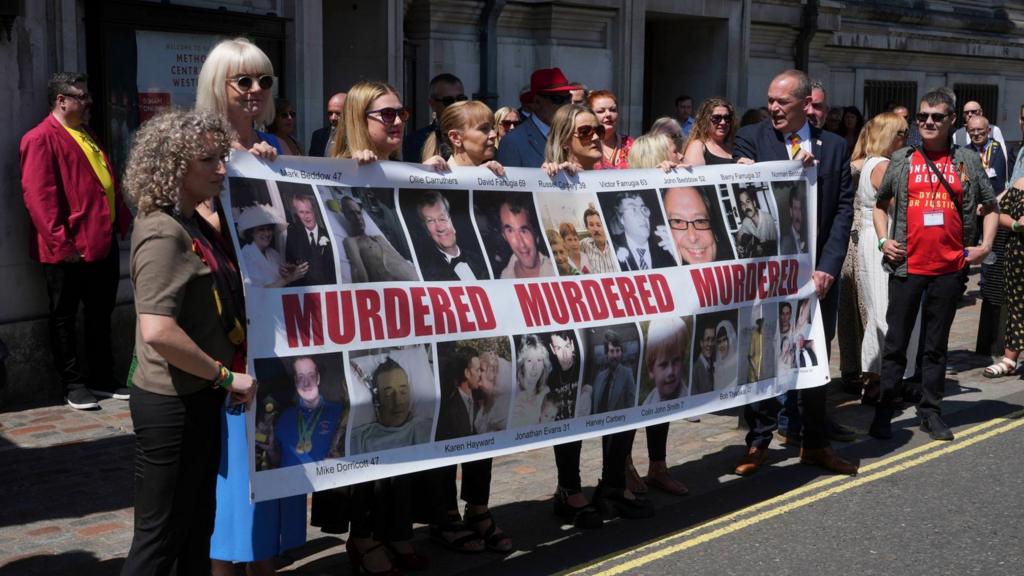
(66, 478)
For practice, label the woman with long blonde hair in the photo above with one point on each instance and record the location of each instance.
(712, 135)
(881, 136)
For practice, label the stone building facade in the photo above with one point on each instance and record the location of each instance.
(868, 52)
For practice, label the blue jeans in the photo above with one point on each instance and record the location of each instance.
(789, 415)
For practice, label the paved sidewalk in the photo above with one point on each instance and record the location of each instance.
(65, 503)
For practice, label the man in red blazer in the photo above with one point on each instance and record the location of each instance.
(74, 205)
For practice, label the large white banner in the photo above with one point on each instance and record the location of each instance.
(401, 319)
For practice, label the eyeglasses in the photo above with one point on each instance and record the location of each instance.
(972, 112)
(587, 132)
(288, 114)
(698, 224)
(83, 97)
(449, 100)
(558, 99)
(721, 118)
(245, 83)
(936, 117)
(637, 208)
(388, 115)
(510, 124)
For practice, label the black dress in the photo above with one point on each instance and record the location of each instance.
(711, 159)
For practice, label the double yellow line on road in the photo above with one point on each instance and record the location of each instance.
(633, 559)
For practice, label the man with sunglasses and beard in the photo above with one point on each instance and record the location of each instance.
(937, 189)
(445, 89)
(524, 146)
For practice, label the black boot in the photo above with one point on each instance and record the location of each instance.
(932, 424)
(881, 424)
(613, 502)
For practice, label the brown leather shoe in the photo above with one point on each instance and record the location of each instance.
(752, 461)
(828, 459)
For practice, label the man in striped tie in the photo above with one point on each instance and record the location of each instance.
(788, 135)
(638, 244)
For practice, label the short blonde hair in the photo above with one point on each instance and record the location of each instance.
(353, 133)
(649, 150)
(666, 336)
(878, 135)
(557, 148)
(228, 58)
(161, 152)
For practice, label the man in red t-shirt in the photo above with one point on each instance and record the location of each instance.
(937, 189)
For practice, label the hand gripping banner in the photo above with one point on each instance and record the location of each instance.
(402, 319)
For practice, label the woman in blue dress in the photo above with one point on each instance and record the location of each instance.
(235, 82)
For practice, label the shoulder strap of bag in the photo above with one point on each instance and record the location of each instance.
(942, 179)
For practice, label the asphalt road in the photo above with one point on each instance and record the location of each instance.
(917, 507)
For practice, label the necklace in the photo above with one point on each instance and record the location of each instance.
(305, 442)
(614, 159)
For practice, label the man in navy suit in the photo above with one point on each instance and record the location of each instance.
(787, 135)
(524, 146)
(322, 142)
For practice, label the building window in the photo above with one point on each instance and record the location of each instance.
(879, 95)
(985, 94)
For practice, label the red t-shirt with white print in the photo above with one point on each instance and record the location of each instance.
(935, 243)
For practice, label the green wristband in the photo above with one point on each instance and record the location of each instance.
(881, 242)
(1015, 227)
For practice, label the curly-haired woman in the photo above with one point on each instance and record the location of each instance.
(188, 348)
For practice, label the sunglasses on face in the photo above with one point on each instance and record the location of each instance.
(449, 100)
(558, 99)
(936, 117)
(84, 97)
(388, 115)
(587, 132)
(721, 118)
(510, 124)
(245, 82)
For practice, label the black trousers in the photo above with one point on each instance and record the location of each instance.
(657, 439)
(762, 417)
(382, 509)
(940, 295)
(93, 285)
(177, 455)
(615, 448)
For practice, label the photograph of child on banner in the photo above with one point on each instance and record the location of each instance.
(715, 365)
(441, 230)
(757, 343)
(509, 227)
(574, 222)
(791, 197)
(750, 217)
(476, 386)
(610, 371)
(698, 229)
(666, 373)
(637, 230)
(392, 398)
(301, 410)
(259, 218)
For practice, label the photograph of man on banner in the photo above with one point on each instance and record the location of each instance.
(638, 231)
(610, 373)
(716, 352)
(510, 230)
(441, 231)
(696, 223)
(473, 400)
(757, 343)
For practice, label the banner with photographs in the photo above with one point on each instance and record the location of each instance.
(401, 319)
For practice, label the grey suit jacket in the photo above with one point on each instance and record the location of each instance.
(623, 389)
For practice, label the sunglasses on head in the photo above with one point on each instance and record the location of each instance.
(558, 98)
(388, 115)
(449, 100)
(721, 118)
(936, 117)
(587, 132)
(510, 124)
(245, 82)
